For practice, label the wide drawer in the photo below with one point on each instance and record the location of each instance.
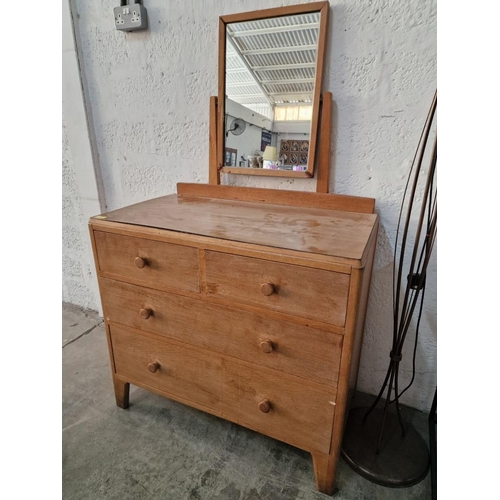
(153, 263)
(297, 290)
(280, 345)
(299, 414)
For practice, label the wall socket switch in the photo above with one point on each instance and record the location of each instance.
(131, 17)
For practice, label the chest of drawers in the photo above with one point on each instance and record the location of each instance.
(249, 309)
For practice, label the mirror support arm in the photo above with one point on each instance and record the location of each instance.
(324, 143)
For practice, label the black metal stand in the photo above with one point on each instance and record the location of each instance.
(377, 443)
(433, 445)
(400, 462)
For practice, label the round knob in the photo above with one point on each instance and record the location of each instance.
(266, 346)
(267, 289)
(153, 366)
(146, 313)
(265, 406)
(140, 262)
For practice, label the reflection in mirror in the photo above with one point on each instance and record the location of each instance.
(270, 81)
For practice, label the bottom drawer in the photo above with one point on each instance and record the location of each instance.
(278, 405)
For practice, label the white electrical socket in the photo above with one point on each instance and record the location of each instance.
(132, 17)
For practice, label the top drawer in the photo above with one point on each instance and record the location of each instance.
(296, 290)
(152, 263)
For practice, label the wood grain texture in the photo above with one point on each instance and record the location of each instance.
(325, 473)
(213, 166)
(318, 78)
(324, 143)
(265, 172)
(296, 349)
(298, 291)
(324, 465)
(322, 8)
(361, 316)
(288, 10)
(243, 331)
(343, 203)
(122, 391)
(311, 230)
(174, 264)
(301, 413)
(221, 101)
(318, 261)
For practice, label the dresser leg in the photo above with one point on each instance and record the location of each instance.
(324, 472)
(122, 390)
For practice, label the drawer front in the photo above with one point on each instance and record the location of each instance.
(299, 414)
(300, 291)
(280, 345)
(154, 263)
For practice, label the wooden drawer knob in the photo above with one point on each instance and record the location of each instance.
(153, 366)
(146, 313)
(140, 262)
(267, 289)
(265, 406)
(266, 346)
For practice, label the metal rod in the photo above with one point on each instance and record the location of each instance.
(384, 415)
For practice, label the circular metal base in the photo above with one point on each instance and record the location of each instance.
(400, 463)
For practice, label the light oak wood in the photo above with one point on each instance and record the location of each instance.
(313, 141)
(213, 167)
(140, 262)
(318, 261)
(146, 313)
(221, 99)
(164, 262)
(254, 323)
(265, 406)
(361, 316)
(289, 10)
(322, 8)
(266, 346)
(324, 471)
(295, 290)
(325, 201)
(154, 366)
(325, 464)
(301, 412)
(324, 143)
(310, 230)
(265, 172)
(280, 345)
(267, 289)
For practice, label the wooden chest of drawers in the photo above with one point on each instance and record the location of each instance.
(248, 310)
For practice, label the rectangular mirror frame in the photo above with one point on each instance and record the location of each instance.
(322, 8)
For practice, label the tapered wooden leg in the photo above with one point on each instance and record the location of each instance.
(122, 390)
(324, 472)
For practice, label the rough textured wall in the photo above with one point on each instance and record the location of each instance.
(149, 94)
(77, 287)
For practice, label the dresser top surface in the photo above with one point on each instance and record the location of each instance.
(313, 230)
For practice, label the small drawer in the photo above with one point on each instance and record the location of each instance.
(282, 407)
(281, 345)
(152, 263)
(296, 290)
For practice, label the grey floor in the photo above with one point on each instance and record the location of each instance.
(160, 449)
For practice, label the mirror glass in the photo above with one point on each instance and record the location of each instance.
(269, 87)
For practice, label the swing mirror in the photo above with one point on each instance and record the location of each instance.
(270, 71)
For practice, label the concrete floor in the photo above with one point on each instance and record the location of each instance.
(160, 449)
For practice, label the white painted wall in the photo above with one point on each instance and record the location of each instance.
(149, 94)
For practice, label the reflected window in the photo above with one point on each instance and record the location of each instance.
(293, 113)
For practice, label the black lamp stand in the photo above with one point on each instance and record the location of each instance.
(377, 443)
